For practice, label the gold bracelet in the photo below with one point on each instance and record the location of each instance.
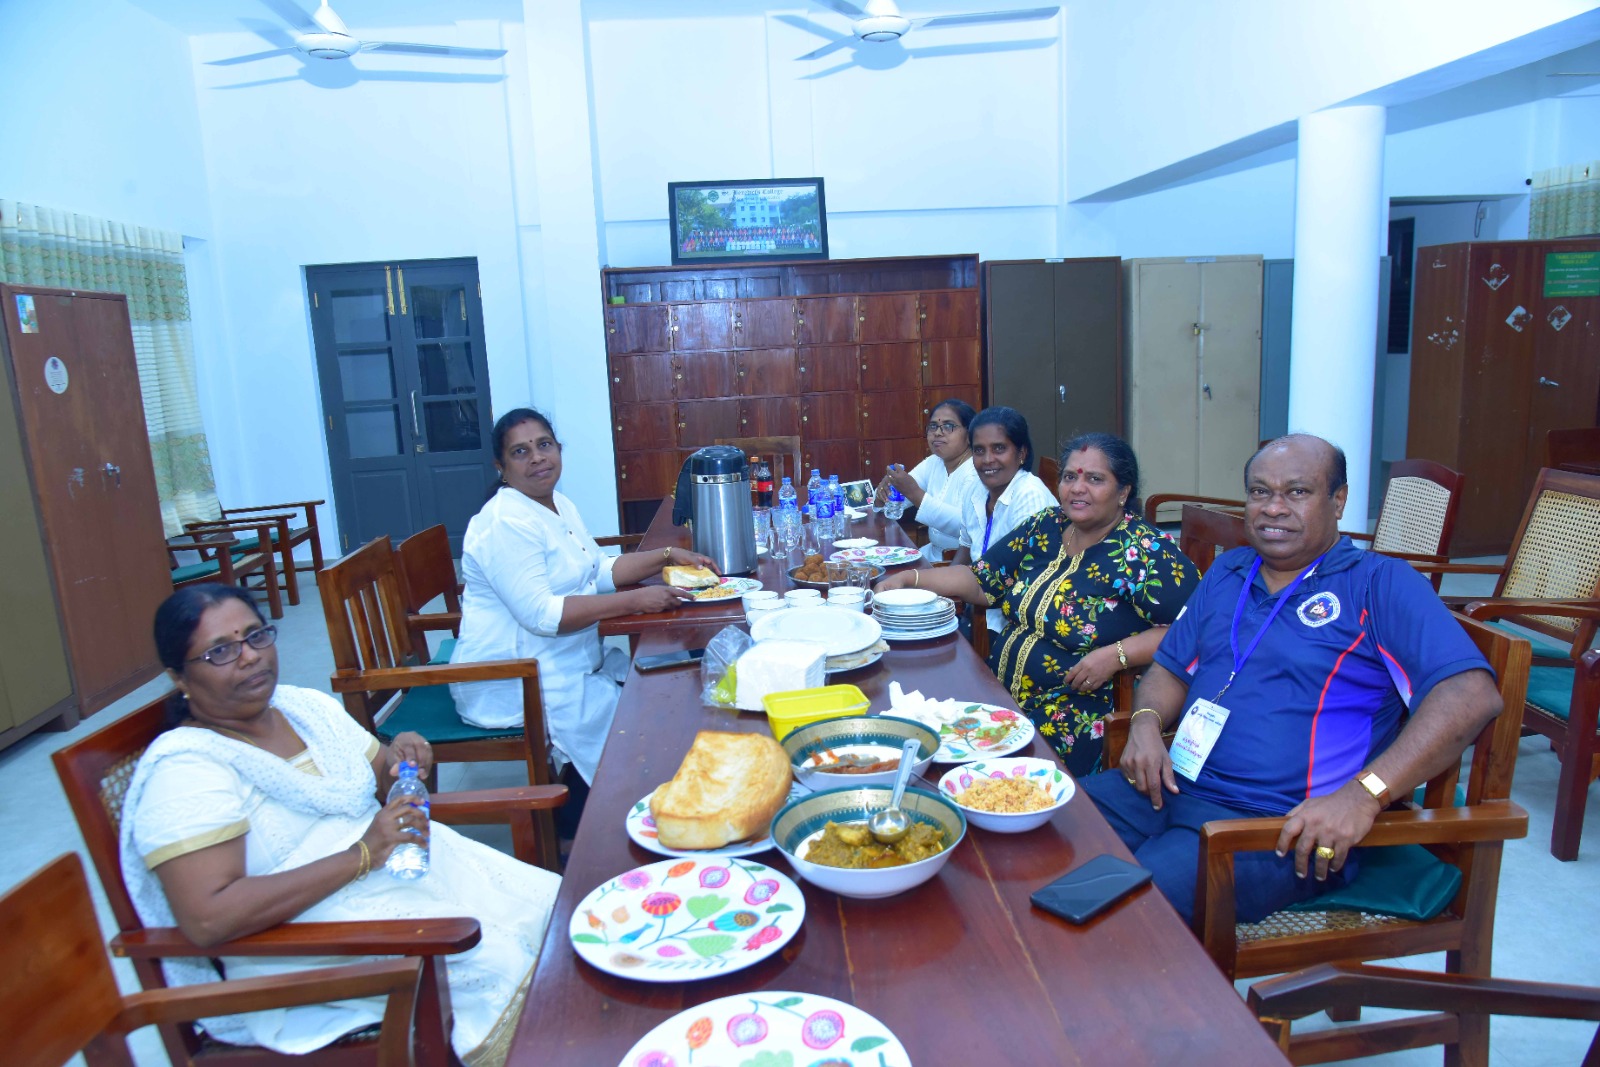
(916, 578)
(365, 866)
(1140, 712)
(666, 554)
(1123, 656)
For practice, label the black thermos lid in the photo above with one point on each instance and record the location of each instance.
(718, 459)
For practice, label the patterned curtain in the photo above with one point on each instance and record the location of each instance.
(42, 246)
(1566, 201)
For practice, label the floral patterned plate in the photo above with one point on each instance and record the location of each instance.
(882, 555)
(678, 920)
(976, 731)
(641, 829)
(770, 1028)
(727, 589)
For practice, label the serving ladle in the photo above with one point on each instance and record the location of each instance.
(891, 824)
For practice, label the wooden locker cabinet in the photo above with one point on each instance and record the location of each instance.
(1495, 365)
(845, 354)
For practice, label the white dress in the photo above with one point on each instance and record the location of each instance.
(194, 788)
(1025, 497)
(944, 495)
(520, 561)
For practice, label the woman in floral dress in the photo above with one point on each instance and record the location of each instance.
(1085, 590)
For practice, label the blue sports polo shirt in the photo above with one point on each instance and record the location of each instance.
(1362, 638)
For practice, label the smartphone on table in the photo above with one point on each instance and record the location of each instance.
(662, 660)
(1091, 888)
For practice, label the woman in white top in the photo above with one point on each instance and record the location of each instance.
(537, 586)
(1002, 455)
(939, 486)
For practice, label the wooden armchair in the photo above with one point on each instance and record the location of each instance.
(1550, 585)
(95, 772)
(291, 524)
(774, 450)
(428, 572)
(223, 560)
(1418, 515)
(1468, 835)
(374, 662)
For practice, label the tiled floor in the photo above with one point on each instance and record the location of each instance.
(1541, 932)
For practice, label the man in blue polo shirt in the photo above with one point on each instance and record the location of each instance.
(1288, 677)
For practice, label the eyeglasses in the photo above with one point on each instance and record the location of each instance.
(945, 427)
(225, 653)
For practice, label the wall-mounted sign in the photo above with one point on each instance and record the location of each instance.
(1572, 274)
(55, 374)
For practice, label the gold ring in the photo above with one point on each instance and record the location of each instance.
(1325, 852)
(1132, 780)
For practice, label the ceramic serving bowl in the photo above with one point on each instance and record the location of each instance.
(876, 735)
(877, 572)
(799, 819)
(1055, 781)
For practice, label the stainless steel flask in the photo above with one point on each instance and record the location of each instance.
(714, 498)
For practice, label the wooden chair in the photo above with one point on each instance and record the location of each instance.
(1550, 585)
(95, 772)
(774, 450)
(58, 995)
(1467, 832)
(1576, 450)
(1349, 987)
(1418, 515)
(428, 572)
(292, 524)
(374, 662)
(1050, 472)
(221, 560)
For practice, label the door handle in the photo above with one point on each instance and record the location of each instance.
(115, 471)
(1063, 391)
(416, 427)
(1207, 390)
(1546, 381)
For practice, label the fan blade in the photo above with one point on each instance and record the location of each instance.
(845, 8)
(813, 28)
(250, 58)
(830, 47)
(325, 17)
(1030, 14)
(433, 50)
(291, 14)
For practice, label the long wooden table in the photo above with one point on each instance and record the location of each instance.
(963, 969)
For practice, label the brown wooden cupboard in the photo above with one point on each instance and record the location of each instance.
(849, 355)
(1505, 347)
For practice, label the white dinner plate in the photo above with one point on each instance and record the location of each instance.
(641, 829)
(769, 1027)
(922, 635)
(840, 632)
(679, 920)
(855, 542)
(910, 601)
(726, 589)
(975, 731)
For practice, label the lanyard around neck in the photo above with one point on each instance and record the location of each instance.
(1238, 613)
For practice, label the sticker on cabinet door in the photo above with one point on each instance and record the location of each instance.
(25, 312)
(1498, 276)
(1559, 316)
(1518, 318)
(55, 374)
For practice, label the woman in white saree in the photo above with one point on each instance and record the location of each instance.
(260, 806)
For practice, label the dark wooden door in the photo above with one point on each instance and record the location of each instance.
(833, 457)
(766, 323)
(1564, 371)
(829, 369)
(892, 414)
(705, 374)
(405, 394)
(886, 317)
(701, 422)
(1087, 381)
(89, 454)
(637, 329)
(890, 366)
(702, 327)
(826, 320)
(641, 426)
(767, 372)
(642, 379)
(953, 368)
(647, 475)
(768, 416)
(830, 415)
(1020, 298)
(948, 314)
(877, 455)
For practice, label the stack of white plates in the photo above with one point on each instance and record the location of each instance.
(914, 614)
(852, 640)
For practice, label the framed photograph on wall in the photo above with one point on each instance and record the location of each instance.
(747, 221)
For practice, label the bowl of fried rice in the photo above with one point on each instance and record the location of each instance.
(1008, 795)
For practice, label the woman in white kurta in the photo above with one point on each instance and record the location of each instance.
(939, 486)
(260, 807)
(537, 587)
(1011, 494)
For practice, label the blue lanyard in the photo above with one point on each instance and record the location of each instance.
(988, 525)
(1238, 613)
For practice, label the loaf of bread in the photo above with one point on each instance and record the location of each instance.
(728, 789)
(689, 577)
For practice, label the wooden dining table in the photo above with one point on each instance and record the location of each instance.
(962, 968)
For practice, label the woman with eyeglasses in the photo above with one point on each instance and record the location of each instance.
(938, 486)
(537, 585)
(262, 804)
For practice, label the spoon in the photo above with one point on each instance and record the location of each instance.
(891, 824)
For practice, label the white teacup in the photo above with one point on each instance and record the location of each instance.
(849, 598)
(757, 601)
(802, 598)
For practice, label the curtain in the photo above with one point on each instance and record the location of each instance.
(1566, 201)
(43, 246)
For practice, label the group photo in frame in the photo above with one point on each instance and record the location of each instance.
(747, 220)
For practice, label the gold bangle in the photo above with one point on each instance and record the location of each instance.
(1123, 656)
(1141, 711)
(916, 578)
(365, 867)
(666, 554)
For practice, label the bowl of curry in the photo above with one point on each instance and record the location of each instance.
(825, 839)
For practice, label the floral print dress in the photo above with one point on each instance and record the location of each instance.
(1059, 606)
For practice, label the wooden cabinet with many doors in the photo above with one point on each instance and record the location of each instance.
(849, 355)
(85, 554)
(1505, 347)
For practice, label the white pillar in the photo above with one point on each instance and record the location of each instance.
(1340, 223)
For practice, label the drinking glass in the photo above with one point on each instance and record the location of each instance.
(809, 545)
(860, 576)
(763, 523)
(838, 574)
(788, 528)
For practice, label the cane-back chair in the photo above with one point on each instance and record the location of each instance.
(383, 688)
(1550, 585)
(775, 450)
(95, 772)
(222, 559)
(428, 572)
(1418, 516)
(1461, 829)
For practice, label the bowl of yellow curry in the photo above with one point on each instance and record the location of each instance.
(825, 837)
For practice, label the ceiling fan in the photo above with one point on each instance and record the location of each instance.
(881, 21)
(325, 36)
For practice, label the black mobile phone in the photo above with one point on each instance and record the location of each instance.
(1087, 890)
(668, 659)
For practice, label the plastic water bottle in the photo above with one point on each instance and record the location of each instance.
(822, 518)
(814, 487)
(841, 522)
(895, 506)
(787, 497)
(410, 860)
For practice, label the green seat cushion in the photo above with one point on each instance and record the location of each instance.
(1419, 794)
(1542, 646)
(429, 711)
(446, 647)
(204, 569)
(1550, 688)
(1406, 881)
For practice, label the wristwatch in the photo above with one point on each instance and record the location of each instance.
(1375, 785)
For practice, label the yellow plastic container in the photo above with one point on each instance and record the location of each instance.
(789, 711)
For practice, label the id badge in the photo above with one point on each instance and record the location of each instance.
(1197, 733)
